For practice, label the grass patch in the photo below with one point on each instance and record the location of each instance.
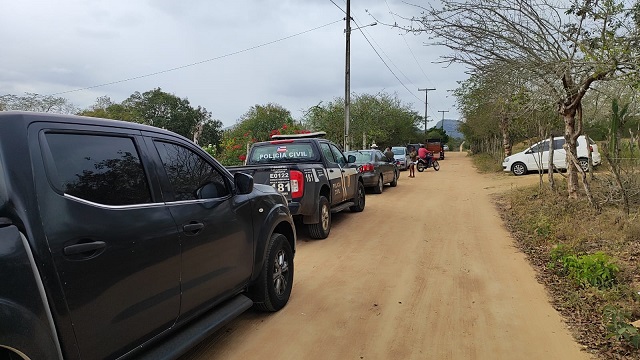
(588, 260)
(486, 163)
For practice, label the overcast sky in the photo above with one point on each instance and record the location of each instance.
(242, 53)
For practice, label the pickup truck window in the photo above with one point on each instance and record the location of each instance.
(101, 169)
(327, 154)
(282, 152)
(339, 156)
(188, 173)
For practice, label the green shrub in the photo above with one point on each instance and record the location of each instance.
(619, 327)
(597, 270)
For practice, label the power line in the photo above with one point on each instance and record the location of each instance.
(411, 51)
(199, 62)
(385, 64)
(409, 47)
(338, 7)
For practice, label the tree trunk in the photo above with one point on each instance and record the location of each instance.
(551, 168)
(572, 130)
(506, 135)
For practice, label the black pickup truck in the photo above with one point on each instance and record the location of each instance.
(312, 173)
(119, 240)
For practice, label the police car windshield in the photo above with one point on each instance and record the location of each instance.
(287, 152)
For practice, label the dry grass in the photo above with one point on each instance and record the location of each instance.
(541, 220)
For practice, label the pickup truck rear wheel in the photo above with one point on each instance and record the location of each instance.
(359, 199)
(321, 229)
(272, 288)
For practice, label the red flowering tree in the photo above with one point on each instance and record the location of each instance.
(258, 124)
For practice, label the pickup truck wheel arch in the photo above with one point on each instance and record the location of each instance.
(360, 199)
(272, 288)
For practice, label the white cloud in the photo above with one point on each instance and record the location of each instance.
(54, 47)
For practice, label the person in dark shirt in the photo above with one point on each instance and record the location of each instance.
(388, 153)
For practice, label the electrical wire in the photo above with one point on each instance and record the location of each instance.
(387, 65)
(381, 59)
(338, 7)
(412, 54)
(409, 47)
(199, 62)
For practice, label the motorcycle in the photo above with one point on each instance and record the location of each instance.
(423, 164)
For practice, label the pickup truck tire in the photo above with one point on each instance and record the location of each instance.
(359, 200)
(321, 229)
(272, 288)
(394, 183)
(380, 186)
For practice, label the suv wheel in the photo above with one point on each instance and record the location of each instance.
(518, 169)
(321, 230)
(272, 288)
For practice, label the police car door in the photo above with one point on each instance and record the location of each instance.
(334, 173)
(348, 174)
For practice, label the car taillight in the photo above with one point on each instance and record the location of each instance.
(297, 183)
(365, 168)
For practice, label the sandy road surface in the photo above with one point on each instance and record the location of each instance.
(388, 285)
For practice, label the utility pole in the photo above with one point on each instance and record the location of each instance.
(426, 102)
(347, 78)
(443, 111)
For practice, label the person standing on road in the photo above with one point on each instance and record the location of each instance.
(388, 153)
(413, 156)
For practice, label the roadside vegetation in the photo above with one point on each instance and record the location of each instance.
(577, 73)
(587, 257)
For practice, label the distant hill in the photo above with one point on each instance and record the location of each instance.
(451, 127)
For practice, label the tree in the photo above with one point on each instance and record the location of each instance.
(382, 118)
(37, 102)
(163, 110)
(261, 120)
(105, 108)
(566, 53)
(257, 124)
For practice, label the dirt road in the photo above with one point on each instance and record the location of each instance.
(386, 284)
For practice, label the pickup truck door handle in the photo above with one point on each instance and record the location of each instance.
(84, 248)
(193, 228)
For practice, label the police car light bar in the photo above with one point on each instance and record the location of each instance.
(300, 136)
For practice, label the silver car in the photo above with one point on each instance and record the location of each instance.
(401, 157)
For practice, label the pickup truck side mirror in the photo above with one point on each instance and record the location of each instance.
(243, 183)
(351, 159)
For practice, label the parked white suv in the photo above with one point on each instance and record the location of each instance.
(537, 156)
